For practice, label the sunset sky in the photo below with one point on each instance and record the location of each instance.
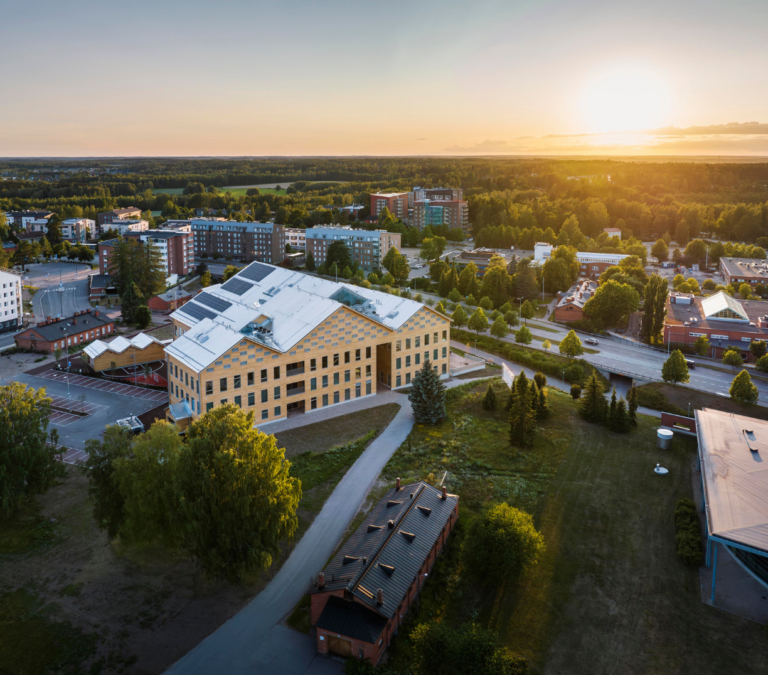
(94, 78)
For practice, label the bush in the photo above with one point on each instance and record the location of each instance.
(649, 397)
(587, 325)
(688, 537)
(575, 392)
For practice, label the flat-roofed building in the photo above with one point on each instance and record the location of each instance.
(359, 600)
(439, 193)
(482, 258)
(739, 271)
(366, 247)
(396, 202)
(296, 237)
(570, 307)
(19, 220)
(77, 230)
(277, 341)
(732, 450)
(217, 238)
(176, 248)
(591, 265)
(128, 213)
(436, 212)
(11, 312)
(126, 226)
(723, 320)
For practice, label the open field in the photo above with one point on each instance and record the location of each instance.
(609, 595)
(168, 191)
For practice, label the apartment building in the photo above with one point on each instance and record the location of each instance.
(129, 213)
(738, 271)
(18, 220)
(178, 225)
(11, 311)
(126, 226)
(396, 202)
(77, 230)
(296, 237)
(248, 241)
(366, 247)
(445, 194)
(176, 248)
(279, 342)
(450, 212)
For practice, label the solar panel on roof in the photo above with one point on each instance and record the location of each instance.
(236, 286)
(256, 271)
(198, 311)
(213, 302)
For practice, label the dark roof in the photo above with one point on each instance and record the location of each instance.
(377, 556)
(117, 212)
(159, 234)
(31, 235)
(37, 214)
(53, 331)
(352, 620)
(100, 280)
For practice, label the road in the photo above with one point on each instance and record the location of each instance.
(63, 289)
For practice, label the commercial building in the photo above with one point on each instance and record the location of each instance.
(453, 213)
(277, 341)
(725, 321)
(482, 258)
(366, 247)
(570, 307)
(176, 248)
(447, 194)
(362, 596)
(129, 213)
(55, 333)
(592, 265)
(296, 237)
(396, 202)
(18, 220)
(216, 238)
(77, 230)
(11, 311)
(738, 271)
(734, 490)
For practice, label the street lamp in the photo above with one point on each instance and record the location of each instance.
(689, 409)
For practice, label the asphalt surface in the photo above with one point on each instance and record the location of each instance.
(63, 289)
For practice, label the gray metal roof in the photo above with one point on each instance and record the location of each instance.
(378, 556)
(351, 619)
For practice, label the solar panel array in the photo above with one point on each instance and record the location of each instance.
(213, 302)
(198, 311)
(256, 271)
(236, 286)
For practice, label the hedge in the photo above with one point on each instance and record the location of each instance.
(688, 537)
(550, 364)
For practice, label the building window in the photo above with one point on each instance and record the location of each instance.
(368, 387)
(209, 387)
(358, 373)
(263, 374)
(237, 382)
(397, 381)
(398, 363)
(313, 384)
(277, 372)
(417, 342)
(223, 384)
(264, 395)
(223, 401)
(347, 357)
(277, 411)
(407, 343)
(208, 407)
(335, 359)
(397, 345)
(335, 378)
(416, 359)
(407, 361)
(444, 368)
(357, 390)
(357, 354)
(325, 362)
(313, 364)
(277, 393)
(407, 378)
(347, 394)
(250, 379)
(313, 403)
(335, 396)
(325, 399)
(265, 414)
(347, 375)
(445, 352)
(367, 352)
(239, 401)
(434, 354)
(426, 340)
(251, 399)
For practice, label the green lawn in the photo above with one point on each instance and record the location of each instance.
(609, 595)
(236, 191)
(168, 191)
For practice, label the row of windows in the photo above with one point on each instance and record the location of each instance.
(399, 378)
(417, 341)
(417, 358)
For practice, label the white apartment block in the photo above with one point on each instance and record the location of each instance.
(296, 237)
(77, 230)
(36, 225)
(10, 301)
(125, 226)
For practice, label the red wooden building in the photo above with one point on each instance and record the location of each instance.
(362, 595)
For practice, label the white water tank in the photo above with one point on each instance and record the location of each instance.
(664, 438)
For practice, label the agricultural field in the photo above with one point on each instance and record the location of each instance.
(610, 594)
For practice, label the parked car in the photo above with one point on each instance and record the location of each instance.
(691, 364)
(591, 341)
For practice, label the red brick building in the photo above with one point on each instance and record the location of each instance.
(359, 600)
(171, 300)
(725, 321)
(739, 271)
(571, 305)
(396, 202)
(59, 333)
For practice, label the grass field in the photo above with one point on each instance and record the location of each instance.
(609, 595)
(236, 192)
(675, 399)
(168, 191)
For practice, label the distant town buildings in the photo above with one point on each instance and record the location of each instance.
(129, 213)
(592, 265)
(570, 307)
(11, 311)
(125, 226)
(248, 241)
(77, 230)
(435, 212)
(396, 202)
(296, 237)
(18, 220)
(612, 232)
(437, 194)
(178, 225)
(367, 248)
(424, 206)
(482, 258)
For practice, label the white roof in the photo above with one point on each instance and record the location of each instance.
(119, 344)
(735, 476)
(276, 312)
(719, 301)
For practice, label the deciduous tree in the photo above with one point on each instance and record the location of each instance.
(742, 390)
(570, 346)
(675, 369)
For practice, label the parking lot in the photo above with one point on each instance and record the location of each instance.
(105, 386)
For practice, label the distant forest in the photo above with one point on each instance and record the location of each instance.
(507, 197)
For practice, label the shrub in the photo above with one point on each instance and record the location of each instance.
(575, 391)
(489, 400)
(688, 537)
(587, 325)
(540, 379)
(650, 397)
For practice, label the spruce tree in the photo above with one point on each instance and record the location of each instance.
(541, 380)
(593, 401)
(632, 405)
(542, 410)
(489, 400)
(522, 418)
(612, 411)
(427, 396)
(310, 262)
(621, 421)
(131, 301)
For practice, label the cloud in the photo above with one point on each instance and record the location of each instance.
(740, 128)
(485, 146)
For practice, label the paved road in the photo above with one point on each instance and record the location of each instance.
(253, 641)
(63, 289)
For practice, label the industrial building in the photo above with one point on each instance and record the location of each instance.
(362, 596)
(277, 341)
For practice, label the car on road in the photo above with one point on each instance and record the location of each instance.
(591, 341)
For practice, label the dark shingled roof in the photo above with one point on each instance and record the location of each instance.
(378, 556)
(351, 619)
(53, 331)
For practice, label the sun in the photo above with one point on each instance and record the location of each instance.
(624, 99)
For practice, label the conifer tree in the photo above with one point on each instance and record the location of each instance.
(522, 417)
(542, 409)
(489, 400)
(612, 410)
(621, 421)
(427, 395)
(575, 392)
(593, 402)
(541, 380)
(310, 261)
(632, 405)
(131, 301)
